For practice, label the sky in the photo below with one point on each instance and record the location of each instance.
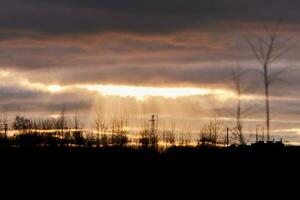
(173, 58)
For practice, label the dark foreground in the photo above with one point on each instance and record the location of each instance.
(118, 167)
(119, 160)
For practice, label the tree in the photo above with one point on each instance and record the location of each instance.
(238, 129)
(168, 134)
(22, 124)
(119, 133)
(4, 122)
(210, 133)
(76, 121)
(101, 127)
(147, 138)
(267, 50)
(62, 122)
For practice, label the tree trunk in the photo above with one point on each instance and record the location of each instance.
(238, 114)
(266, 80)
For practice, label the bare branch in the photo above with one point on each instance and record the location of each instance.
(254, 70)
(281, 53)
(254, 50)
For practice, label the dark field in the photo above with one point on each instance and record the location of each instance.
(130, 162)
(128, 171)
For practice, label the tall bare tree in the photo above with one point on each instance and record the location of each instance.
(210, 133)
(238, 129)
(4, 121)
(267, 49)
(62, 123)
(101, 127)
(76, 121)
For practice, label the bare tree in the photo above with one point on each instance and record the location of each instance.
(4, 121)
(62, 121)
(101, 127)
(119, 135)
(99, 122)
(169, 135)
(238, 128)
(147, 138)
(210, 133)
(267, 50)
(76, 121)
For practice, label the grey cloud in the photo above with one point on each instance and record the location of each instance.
(167, 75)
(140, 16)
(18, 98)
(29, 107)
(32, 57)
(14, 93)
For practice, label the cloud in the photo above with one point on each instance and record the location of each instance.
(185, 58)
(53, 17)
(19, 98)
(13, 93)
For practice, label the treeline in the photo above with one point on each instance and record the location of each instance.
(22, 124)
(60, 131)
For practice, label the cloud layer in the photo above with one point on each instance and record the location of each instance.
(139, 16)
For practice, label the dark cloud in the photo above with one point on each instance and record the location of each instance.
(46, 107)
(22, 99)
(14, 93)
(33, 57)
(140, 16)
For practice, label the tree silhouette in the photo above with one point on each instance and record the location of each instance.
(267, 49)
(238, 129)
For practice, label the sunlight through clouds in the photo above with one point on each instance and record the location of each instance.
(141, 92)
(54, 88)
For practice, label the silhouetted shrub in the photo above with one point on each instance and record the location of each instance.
(119, 133)
(90, 140)
(21, 124)
(52, 140)
(210, 133)
(31, 139)
(104, 140)
(148, 139)
(119, 140)
(3, 141)
(78, 138)
(169, 137)
(65, 138)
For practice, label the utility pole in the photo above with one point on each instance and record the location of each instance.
(5, 131)
(154, 127)
(256, 134)
(227, 137)
(153, 122)
(263, 134)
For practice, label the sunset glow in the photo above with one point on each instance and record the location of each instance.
(142, 92)
(54, 88)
